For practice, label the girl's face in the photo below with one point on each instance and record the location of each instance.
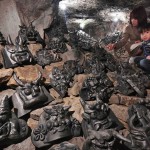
(145, 36)
(134, 22)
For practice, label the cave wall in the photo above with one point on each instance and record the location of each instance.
(9, 18)
(16, 12)
(40, 12)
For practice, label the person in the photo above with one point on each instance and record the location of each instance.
(143, 61)
(131, 35)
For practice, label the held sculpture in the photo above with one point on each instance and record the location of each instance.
(55, 124)
(12, 129)
(29, 96)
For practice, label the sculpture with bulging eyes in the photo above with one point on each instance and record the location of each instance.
(29, 96)
(12, 129)
(16, 55)
(98, 116)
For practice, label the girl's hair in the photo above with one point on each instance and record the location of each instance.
(144, 28)
(140, 14)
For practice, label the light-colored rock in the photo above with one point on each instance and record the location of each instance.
(123, 100)
(34, 47)
(24, 145)
(57, 101)
(77, 84)
(54, 94)
(32, 123)
(35, 114)
(120, 111)
(9, 19)
(78, 141)
(5, 75)
(74, 90)
(8, 92)
(80, 78)
(26, 74)
(69, 55)
(75, 104)
(148, 92)
(112, 76)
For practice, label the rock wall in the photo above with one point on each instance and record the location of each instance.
(9, 18)
(16, 12)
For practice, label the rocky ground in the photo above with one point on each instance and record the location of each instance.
(118, 103)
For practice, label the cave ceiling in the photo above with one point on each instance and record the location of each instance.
(96, 12)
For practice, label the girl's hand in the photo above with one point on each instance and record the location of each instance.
(137, 41)
(110, 46)
(148, 57)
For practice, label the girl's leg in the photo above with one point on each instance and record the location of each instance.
(137, 60)
(145, 65)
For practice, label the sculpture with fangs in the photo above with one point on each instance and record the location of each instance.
(29, 96)
(16, 55)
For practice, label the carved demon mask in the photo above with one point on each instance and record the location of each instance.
(29, 95)
(15, 55)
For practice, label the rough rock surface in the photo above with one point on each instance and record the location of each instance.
(5, 75)
(34, 47)
(24, 145)
(8, 92)
(75, 104)
(26, 74)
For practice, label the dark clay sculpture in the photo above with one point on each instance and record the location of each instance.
(56, 44)
(72, 67)
(29, 34)
(93, 65)
(65, 146)
(16, 55)
(12, 129)
(60, 81)
(22, 34)
(139, 127)
(2, 39)
(98, 116)
(101, 86)
(104, 139)
(56, 34)
(55, 124)
(33, 35)
(85, 41)
(29, 96)
(46, 57)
